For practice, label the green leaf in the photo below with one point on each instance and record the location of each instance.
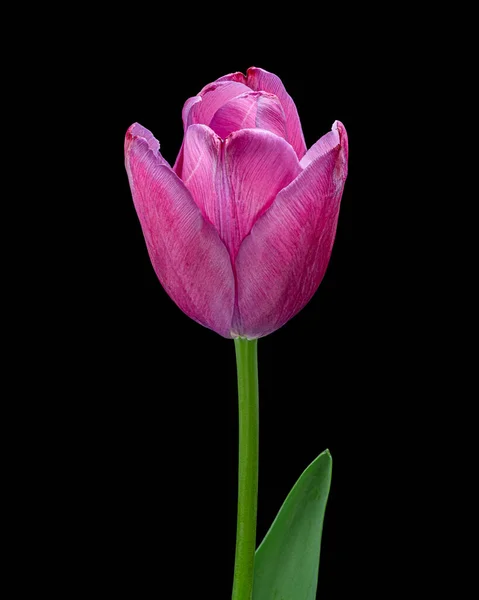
(287, 561)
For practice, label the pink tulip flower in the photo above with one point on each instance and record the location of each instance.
(241, 229)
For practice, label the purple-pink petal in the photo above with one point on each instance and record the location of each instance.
(270, 115)
(261, 80)
(282, 262)
(328, 142)
(234, 181)
(201, 109)
(185, 113)
(187, 254)
(138, 131)
(212, 97)
(248, 111)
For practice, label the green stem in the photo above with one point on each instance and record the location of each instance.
(247, 366)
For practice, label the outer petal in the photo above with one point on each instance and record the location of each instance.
(248, 111)
(189, 258)
(259, 79)
(282, 262)
(234, 181)
(324, 145)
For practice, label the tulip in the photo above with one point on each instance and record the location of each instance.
(240, 231)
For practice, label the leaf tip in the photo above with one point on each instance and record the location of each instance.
(327, 454)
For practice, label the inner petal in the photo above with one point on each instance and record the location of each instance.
(212, 98)
(249, 111)
(259, 79)
(234, 181)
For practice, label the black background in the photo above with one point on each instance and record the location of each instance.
(152, 415)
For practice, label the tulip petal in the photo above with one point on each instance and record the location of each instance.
(185, 113)
(327, 143)
(234, 181)
(270, 115)
(261, 80)
(178, 166)
(282, 262)
(138, 131)
(237, 76)
(202, 108)
(248, 111)
(212, 97)
(187, 254)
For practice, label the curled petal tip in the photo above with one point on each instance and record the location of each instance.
(137, 131)
(131, 129)
(341, 129)
(130, 134)
(344, 143)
